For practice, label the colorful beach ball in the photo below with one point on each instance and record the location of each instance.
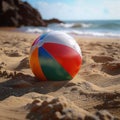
(55, 56)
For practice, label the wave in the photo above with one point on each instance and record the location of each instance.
(33, 29)
(84, 28)
(69, 31)
(91, 25)
(94, 34)
(75, 25)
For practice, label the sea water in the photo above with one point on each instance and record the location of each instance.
(100, 28)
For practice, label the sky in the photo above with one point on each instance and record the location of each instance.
(78, 9)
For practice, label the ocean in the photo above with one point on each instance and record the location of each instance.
(98, 28)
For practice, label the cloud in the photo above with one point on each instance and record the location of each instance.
(79, 9)
(113, 7)
(58, 10)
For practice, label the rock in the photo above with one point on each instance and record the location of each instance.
(54, 20)
(16, 13)
(30, 15)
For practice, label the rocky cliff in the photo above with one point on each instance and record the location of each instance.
(16, 13)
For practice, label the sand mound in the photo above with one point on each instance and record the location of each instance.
(62, 109)
(83, 86)
(34, 106)
(57, 108)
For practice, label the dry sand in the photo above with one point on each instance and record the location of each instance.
(96, 87)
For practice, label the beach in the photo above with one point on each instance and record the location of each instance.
(94, 92)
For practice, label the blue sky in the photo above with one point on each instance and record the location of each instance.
(78, 9)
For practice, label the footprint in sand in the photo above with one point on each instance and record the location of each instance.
(13, 53)
(102, 59)
(112, 68)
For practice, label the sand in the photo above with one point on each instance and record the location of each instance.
(94, 89)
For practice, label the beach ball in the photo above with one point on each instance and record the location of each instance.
(55, 56)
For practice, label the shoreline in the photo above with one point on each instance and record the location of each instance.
(13, 29)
